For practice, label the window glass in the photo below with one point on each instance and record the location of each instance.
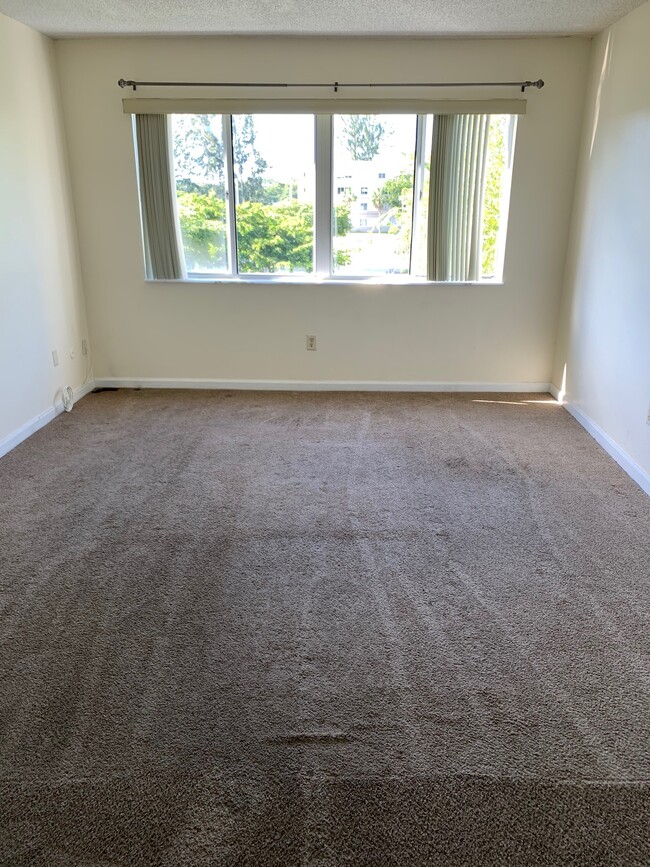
(494, 202)
(496, 198)
(273, 166)
(421, 210)
(246, 201)
(200, 176)
(377, 153)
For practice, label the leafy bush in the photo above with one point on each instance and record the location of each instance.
(492, 198)
(275, 236)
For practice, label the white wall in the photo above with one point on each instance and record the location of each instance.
(497, 334)
(41, 303)
(604, 333)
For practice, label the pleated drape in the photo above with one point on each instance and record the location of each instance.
(458, 160)
(161, 248)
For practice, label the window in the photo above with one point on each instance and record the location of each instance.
(245, 204)
(253, 194)
(361, 145)
(200, 173)
(273, 167)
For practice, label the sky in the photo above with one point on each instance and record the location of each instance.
(281, 142)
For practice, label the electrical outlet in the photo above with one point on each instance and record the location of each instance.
(311, 342)
(84, 347)
(55, 358)
(71, 352)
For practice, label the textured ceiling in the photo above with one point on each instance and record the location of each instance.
(318, 17)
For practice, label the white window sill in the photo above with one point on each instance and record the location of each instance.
(309, 279)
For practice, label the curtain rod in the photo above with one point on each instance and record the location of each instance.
(335, 85)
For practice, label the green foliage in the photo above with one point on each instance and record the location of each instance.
(492, 197)
(203, 228)
(186, 186)
(394, 201)
(275, 231)
(272, 237)
(343, 221)
(248, 164)
(199, 156)
(276, 237)
(198, 149)
(363, 134)
(273, 191)
(392, 193)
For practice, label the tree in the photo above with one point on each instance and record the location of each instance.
(363, 134)
(199, 155)
(271, 237)
(275, 231)
(343, 221)
(248, 164)
(198, 149)
(391, 194)
(394, 201)
(493, 188)
(202, 217)
(276, 237)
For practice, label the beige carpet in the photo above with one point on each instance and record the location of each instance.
(318, 629)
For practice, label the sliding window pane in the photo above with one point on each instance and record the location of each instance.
(273, 164)
(200, 172)
(496, 197)
(419, 252)
(373, 167)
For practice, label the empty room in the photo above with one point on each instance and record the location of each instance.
(325, 433)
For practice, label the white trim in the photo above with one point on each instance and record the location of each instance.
(304, 279)
(178, 236)
(322, 385)
(26, 430)
(555, 391)
(324, 205)
(625, 461)
(231, 201)
(419, 170)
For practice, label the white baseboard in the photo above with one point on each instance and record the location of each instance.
(26, 430)
(322, 385)
(555, 391)
(627, 463)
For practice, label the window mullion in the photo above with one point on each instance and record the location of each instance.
(418, 182)
(323, 208)
(231, 220)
